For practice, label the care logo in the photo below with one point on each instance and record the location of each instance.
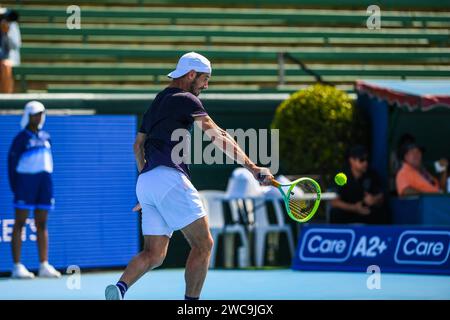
(423, 247)
(327, 245)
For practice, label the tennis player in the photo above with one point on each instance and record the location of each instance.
(30, 165)
(168, 199)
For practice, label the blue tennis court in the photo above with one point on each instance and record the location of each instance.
(276, 284)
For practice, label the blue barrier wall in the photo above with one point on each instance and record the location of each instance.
(94, 185)
(426, 209)
(392, 249)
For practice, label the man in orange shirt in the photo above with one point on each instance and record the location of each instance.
(413, 178)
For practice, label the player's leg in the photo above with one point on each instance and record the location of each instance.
(156, 240)
(152, 256)
(183, 210)
(155, 249)
(156, 234)
(201, 242)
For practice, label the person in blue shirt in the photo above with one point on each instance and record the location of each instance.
(166, 195)
(30, 165)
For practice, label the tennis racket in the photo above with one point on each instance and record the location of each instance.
(301, 198)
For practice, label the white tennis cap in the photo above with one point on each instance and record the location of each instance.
(32, 108)
(191, 61)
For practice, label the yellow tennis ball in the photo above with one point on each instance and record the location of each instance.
(340, 179)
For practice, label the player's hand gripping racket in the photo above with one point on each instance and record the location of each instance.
(301, 197)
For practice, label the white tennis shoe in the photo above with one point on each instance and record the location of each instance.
(21, 272)
(112, 292)
(48, 271)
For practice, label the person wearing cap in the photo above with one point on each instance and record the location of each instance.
(413, 178)
(30, 165)
(361, 199)
(167, 199)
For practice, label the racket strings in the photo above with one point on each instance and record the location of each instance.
(301, 208)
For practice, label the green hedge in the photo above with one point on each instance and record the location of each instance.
(317, 125)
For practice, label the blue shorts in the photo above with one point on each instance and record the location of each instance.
(34, 191)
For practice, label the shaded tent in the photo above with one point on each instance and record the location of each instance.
(394, 107)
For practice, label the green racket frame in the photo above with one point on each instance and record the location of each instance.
(286, 197)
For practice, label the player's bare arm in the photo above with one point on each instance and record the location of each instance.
(231, 148)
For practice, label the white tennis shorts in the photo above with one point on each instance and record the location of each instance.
(169, 201)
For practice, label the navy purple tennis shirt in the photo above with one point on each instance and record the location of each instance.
(172, 109)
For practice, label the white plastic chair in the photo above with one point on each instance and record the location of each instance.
(213, 202)
(241, 189)
(263, 226)
(247, 195)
